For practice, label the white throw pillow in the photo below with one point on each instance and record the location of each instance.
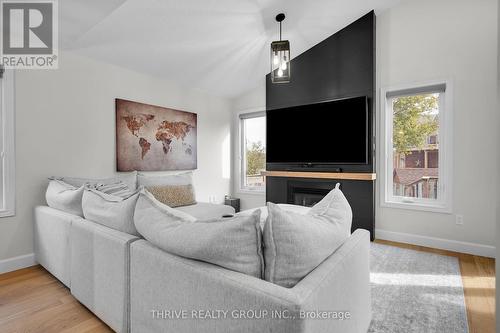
(129, 178)
(120, 189)
(295, 244)
(65, 197)
(147, 180)
(109, 210)
(233, 243)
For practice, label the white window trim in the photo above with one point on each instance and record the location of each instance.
(445, 189)
(241, 154)
(7, 152)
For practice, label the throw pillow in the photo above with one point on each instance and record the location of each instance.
(65, 197)
(110, 210)
(173, 195)
(129, 178)
(233, 243)
(119, 189)
(295, 244)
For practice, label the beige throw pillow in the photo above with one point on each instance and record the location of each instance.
(173, 195)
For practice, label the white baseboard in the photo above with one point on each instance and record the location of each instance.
(12, 264)
(437, 243)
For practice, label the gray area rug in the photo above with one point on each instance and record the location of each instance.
(415, 291)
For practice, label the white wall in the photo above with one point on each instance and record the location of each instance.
(252, 101)
(424, 40)
(66, 126)
(497, 262)
(419, 41)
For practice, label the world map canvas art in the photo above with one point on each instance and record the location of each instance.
(154, 138)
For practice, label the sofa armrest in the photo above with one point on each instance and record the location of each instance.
(163, 285)
(51, 241)
(340, 284)
(167, 293)
(100, 258)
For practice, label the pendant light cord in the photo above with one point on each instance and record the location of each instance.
(280, 30)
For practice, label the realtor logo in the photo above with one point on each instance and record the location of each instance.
(29, 34)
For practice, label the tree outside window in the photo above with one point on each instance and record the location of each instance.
(415, 140)
(254, 151)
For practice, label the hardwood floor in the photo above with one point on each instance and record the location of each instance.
(478, 278)
(33, 301)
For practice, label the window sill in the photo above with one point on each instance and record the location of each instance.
(418, 206)
(252, 191)
(7, 213)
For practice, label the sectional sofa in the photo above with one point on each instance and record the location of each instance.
(134, 286)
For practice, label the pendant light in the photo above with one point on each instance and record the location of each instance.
(280, 57)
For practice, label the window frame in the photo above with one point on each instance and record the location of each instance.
(445, 190)
(242, 156)
(7, 144)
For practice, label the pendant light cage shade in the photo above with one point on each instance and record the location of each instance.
(280, 61)
(280, 57)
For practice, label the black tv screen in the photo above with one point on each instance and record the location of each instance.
(334, 132)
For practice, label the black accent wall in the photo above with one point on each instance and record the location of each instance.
(341, 66)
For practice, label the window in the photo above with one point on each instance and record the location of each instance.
(417, 151)
(7, 156)
(253, 150)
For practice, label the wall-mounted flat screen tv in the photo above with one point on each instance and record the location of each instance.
(334, 132)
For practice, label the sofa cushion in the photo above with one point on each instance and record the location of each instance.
(295, 243)
(174, 195)
(109, 210)
(233, 243)
(207, 211)
(179, 178)
(65, 197)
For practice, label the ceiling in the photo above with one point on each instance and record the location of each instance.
(220, 47)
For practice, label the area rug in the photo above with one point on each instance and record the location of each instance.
(415, 292)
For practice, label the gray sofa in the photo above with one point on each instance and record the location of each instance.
(124, 279)
(90, 259)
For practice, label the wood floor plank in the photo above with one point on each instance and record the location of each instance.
(27, 306)
(20, 273)
(33, 301)
(88, 326)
